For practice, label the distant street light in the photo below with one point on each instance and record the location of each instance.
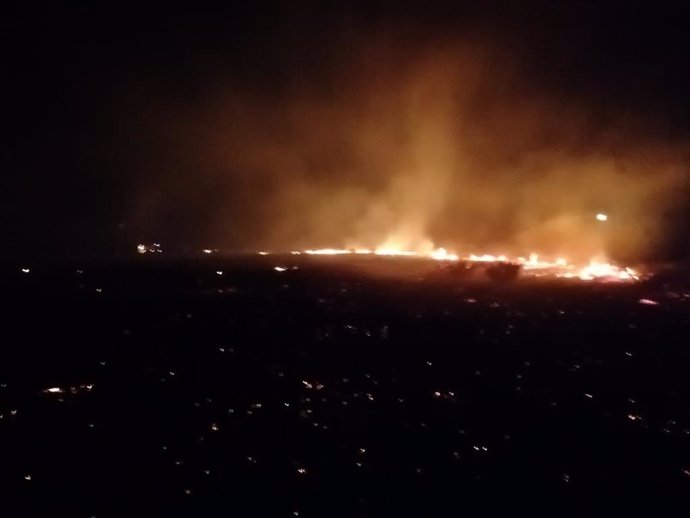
(602, 217)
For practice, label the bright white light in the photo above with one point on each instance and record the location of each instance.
(26, 270)
(219, 272)
(395, 252)
(141, 249)
(207, 251)
(441, 254)
(602, 217)
(279, 268)
(648, 302)
(327, 251)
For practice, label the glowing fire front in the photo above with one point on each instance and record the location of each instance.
(533, 264)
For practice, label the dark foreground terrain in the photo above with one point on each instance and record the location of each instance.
(227, 388)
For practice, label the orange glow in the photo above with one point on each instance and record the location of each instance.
(328, 251)
(533, 264)
(441, 254)
(604, 271)
(395, 251)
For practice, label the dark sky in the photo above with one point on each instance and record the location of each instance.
(107, 109)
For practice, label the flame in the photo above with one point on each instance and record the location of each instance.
(440, 254)
(395, 252)
(487, 258)
(596, 270)
(599, 270)
(328, 251)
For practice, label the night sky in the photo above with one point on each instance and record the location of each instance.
(221, 126)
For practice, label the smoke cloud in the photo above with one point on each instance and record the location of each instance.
(401, 143)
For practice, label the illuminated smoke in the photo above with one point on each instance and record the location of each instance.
(414, 147)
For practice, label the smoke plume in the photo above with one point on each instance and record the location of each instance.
(402, 143)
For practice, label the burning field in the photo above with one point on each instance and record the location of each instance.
(437, 148)
(345, 259)
(531, 266)
(341, 385)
